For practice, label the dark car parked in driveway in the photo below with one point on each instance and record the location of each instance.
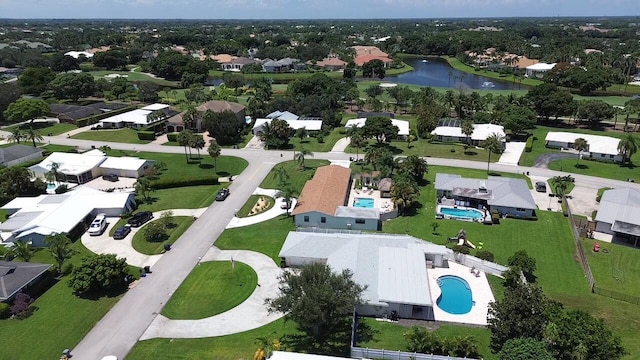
(121, 232)
(222, 194)
(541, 186)
(110, 177)
(140, 218)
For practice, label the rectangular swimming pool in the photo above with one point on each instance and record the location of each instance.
(472, 214)
(363, 202)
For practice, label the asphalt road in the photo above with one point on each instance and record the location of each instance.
(122, 326)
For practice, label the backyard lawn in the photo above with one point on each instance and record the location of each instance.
(45, 128)
(210, 289)
(245, 210)
(127, 135)
(266, 237)
(297, 176)
(614, 267)
(140, 243)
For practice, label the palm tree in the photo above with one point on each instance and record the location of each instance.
(493, 144)
(467, 130)
(288, 192)
(190, 117)
(54, 171)
(16, 135)
(22, 250)
(357, 140)
(628, 146)
(300, 156)
(581, 145)
(282, 175)
(33, 136)
(197, 142)
(59, 248)
(184, 139)
(561, 183)
(404, 193)
(214, 151)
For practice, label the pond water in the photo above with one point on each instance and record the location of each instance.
(436, 72)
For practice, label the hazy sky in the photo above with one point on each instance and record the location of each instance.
(311, 9)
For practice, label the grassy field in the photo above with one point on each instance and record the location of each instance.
(297, 176)
(210, 289)
(616, 269)
(45, 129)
(141, 244)
(189, 197)
(312, 144)
(60, 321)
(245, 210)
(127, 135)
(266, 237)
(133, 76)
(422, 147)
(390, 336)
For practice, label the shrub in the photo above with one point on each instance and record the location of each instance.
(146, 135)
(184, 181)
(528, 146)
(21, 305)
(62, 189)
(5, 310)
(485, 255)
(495, 217)
(524, 262)
(97, 273)
(155, 232)
(461, 249)
(172, 136)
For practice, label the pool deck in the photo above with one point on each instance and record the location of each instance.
(480, 291)
(382, 204)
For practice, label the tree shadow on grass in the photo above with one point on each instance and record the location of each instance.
(413, 210)
(223, 173)
(97, 295)
(470, 152)
(581, 166)
(150, 200)
(493, 173)
(205, 166)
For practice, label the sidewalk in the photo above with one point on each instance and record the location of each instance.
(272, 213)
(249, 315)
(341, 144)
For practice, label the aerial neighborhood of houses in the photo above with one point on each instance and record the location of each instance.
(212, 178)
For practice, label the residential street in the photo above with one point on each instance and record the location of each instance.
(125, 323)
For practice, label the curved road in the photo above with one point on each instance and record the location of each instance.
(124, 324)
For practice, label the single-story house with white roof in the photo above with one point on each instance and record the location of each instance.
(138, 118)
(393, 267)
(309, 125)
(81, 168)
(33, 218)
(599, 147)
(538, 70)
(402, 125)
(283, 115)
(77, 54)
(480, 133)
(619, 214)
(508, 196)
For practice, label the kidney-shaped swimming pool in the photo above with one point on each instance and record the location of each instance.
(456, 297)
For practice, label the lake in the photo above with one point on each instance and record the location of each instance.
(436, 72)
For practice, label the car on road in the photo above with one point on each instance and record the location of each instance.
(140, 218)
(541, 186)
(110, 177)
(222, 194)
(121, 232)
(98, 225)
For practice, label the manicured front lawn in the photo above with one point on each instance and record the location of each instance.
(190, 197)
(594, 168)
(266, 237)
(615, 270)
(45, 129)
(297, 176)
(132, 76)
(422, 147)
(210, 289)
(312, 144)
(141, 244)
(245, 210)
(240, 346)
(552, 186)
(390, 336)
(129, 136)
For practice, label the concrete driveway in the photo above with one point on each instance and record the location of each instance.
(512, 152)
(542, 199)
(249, 315)
(583, 201)
(123, 183)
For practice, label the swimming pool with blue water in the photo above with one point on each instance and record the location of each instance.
(456, 297)
(462, 213)
(363, 202)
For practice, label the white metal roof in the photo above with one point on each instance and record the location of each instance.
(284, 115)
(541, 66)
(619, 205)
(597, 143)
(123, 163)
(403, 125)
(402, 276)
(154, 107)
(310, 125)
(137, 116)
(70, 163)
(480, 131)
(77, 54)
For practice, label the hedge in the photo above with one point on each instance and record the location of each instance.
(184, 181)
(5, 310)
(172, 136)
(461, 249)
(529, 144)
(146, 135)
(485, 255)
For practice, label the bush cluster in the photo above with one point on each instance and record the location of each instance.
(485, 255)
(5, 310)
(146, 135)
(184, 181)
(172, 136)
(528, 146)
(461, 249)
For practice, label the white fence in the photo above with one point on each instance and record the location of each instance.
(483, 265)
(362, 353)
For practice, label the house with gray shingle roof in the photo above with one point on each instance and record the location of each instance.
(17, 154)
(508, 196)
(15, 276)
(619, 215)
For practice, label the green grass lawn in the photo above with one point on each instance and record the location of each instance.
(423, 147)
(312, 144)
(266, 237)
(245, 210)
(616, 269)
(297, 176)
(210, 289)
(127, 135)
(141, 244)
(240, 346)
(133, 76)
(459, 65)
(552, 186)
(60, 321)
(189, 197)
(177, 165)
(390, 336)
(45, 129)
(594, 168)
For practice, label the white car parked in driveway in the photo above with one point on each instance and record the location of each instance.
(98, 225)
